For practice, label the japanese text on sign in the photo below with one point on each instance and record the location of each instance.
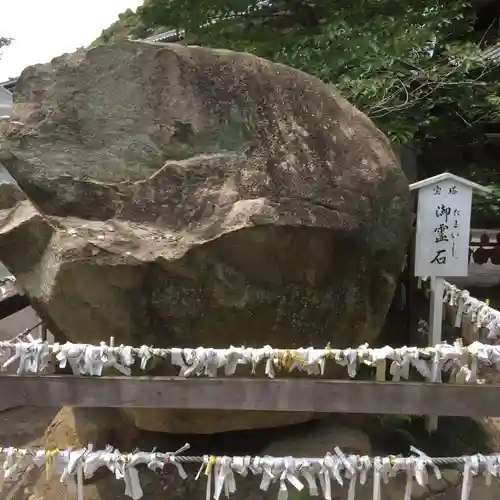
(443, 227)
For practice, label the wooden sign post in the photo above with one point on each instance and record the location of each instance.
(442, 241)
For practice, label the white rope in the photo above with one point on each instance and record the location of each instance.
(460, 362)
(315, 474)
(480, 314)
(25, 336)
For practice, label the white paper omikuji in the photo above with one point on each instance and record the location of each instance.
(480, 314)
(317, 475)
(461, 362)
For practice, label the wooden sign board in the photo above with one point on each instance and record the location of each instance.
(443, 225)
(442, 241)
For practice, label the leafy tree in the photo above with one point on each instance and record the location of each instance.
(416, 67)
(127, 24)
(407, 65)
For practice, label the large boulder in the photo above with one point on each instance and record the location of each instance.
(184, 196)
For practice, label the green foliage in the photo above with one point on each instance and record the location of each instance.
(414, 67)
(488, 204)
(128, 24)
(486, 207)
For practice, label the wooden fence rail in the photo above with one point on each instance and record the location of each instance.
(310, 395)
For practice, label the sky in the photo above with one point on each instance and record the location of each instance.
(44, 29)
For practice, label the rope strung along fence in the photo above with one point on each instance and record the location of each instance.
(429, 362)
(317, 474)
(461, 362)
(480, 313)
(25, 336)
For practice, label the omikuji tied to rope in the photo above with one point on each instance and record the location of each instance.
(317, 475)
(480, 314)
(461, 362)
